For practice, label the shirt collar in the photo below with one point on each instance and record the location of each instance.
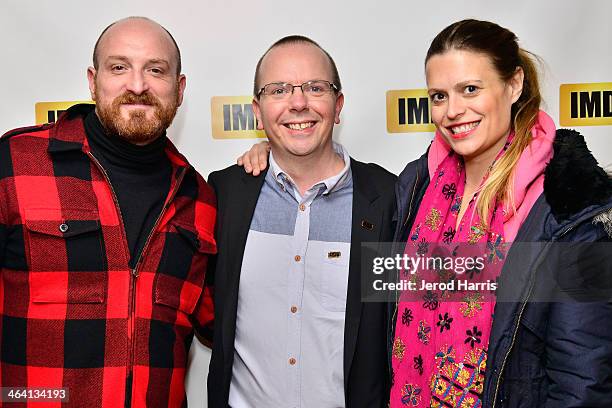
(327, 185)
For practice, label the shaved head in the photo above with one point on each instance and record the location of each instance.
(293, 40)
(135, 20)
(136, 80)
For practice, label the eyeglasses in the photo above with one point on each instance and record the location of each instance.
(282, 90)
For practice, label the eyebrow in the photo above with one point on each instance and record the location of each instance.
(117, 57)
(463, 84)
(159, 61)
(151, 61)
(459, 85)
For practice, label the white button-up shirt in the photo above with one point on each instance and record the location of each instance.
(289, 344)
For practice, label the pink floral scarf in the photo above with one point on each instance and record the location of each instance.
(442, 335)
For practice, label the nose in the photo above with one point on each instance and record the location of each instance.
(137, 83)
(455, 107)
(297, 100)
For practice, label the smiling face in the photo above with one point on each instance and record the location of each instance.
(136, 86)
(470, 104)
(297, 126)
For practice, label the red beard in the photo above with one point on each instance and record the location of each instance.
(138, 129)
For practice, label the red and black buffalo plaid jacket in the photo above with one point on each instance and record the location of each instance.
(73, 314)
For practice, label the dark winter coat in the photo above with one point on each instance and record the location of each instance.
(546, 350)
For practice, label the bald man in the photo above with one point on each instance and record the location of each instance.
(105, 233)
(291, 329)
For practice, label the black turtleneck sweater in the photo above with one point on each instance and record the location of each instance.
(140, 177)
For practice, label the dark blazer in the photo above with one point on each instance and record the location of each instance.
(366, 381)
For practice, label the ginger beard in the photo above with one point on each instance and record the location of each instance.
(137, 129)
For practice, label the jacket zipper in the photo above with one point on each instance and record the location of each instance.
(128, 385)
(134, 271)
(412, 199)
(416, 181)
(501, 370)
(159, 217)
(132, 308)
(518, 321)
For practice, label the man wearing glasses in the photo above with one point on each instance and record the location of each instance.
(291, 329)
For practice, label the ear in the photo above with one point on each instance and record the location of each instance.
(182, 81)
(516, 84)
(91, 79)
(339, 105)
(257, 111)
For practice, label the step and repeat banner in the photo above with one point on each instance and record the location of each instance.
(379, 48)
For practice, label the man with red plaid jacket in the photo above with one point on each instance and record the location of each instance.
(105, 234)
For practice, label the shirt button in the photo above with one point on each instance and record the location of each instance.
(292, 361)
(63, 227)
(302, 207)
(293, 309)
(297, 258)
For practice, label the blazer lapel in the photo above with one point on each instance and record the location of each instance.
(366, 227)
(239, 215)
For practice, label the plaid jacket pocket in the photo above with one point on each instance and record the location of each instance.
(182, 268)
(66, 256)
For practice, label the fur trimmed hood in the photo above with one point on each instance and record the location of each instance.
(574, 181)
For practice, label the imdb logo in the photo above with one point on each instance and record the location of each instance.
(232, 117)
(408, 111)
(47, 112)
(585, 104)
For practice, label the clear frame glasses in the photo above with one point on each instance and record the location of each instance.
(282, 90)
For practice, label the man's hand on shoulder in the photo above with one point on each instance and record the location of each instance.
(255, 160)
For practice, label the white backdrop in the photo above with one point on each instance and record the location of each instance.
(46, 46)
